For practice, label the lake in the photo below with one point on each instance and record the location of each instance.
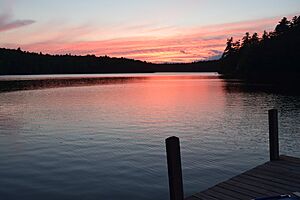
(103, 136)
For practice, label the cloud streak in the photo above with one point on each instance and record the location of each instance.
(6, 25)
(162, 44)
(6, 18)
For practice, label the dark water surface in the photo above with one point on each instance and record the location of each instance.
(103, 138)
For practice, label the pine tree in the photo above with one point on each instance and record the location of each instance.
(265, 36)
(283, 26)
(246, 39)
(254, 39)
(229, 48)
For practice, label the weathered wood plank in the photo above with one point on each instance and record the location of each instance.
(252, 181)
(252, 187)
(219, 195)
(273, 179)
(240, 190)
(290, 159)
(293, 178)
(282, 167)
(279, 168)
(192, 198)
(203, 196)
(288, 165)
(264, 183)
(230, 192)
(268, 179)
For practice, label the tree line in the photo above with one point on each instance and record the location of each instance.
(18, 62)
(273, 55)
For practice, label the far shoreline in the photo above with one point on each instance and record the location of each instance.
(10, 83)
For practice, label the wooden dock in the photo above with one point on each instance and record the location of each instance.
(279, 176)
(270, 179)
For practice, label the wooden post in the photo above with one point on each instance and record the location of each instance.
(273, 135)
(174, 168)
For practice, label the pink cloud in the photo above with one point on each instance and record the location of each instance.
(159, 44)
(6, 18)
(9, 25)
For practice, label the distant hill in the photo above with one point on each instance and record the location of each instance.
(18, 62)
(273, 57)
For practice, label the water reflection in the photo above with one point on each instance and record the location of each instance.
(14, 85)
(104, 138)
(241, 86)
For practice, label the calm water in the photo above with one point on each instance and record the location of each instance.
(106, 140)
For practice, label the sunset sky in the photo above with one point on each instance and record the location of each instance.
(150, 30)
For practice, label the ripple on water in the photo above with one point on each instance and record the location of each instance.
(107, 141)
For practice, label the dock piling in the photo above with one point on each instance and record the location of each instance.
(174, 168)
(273, 135)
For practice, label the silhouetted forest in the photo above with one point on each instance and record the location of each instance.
(274, 56)
(18, 62)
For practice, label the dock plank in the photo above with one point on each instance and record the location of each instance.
(252, 181)
(268, 179)
(265, 183)
(251, 187)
